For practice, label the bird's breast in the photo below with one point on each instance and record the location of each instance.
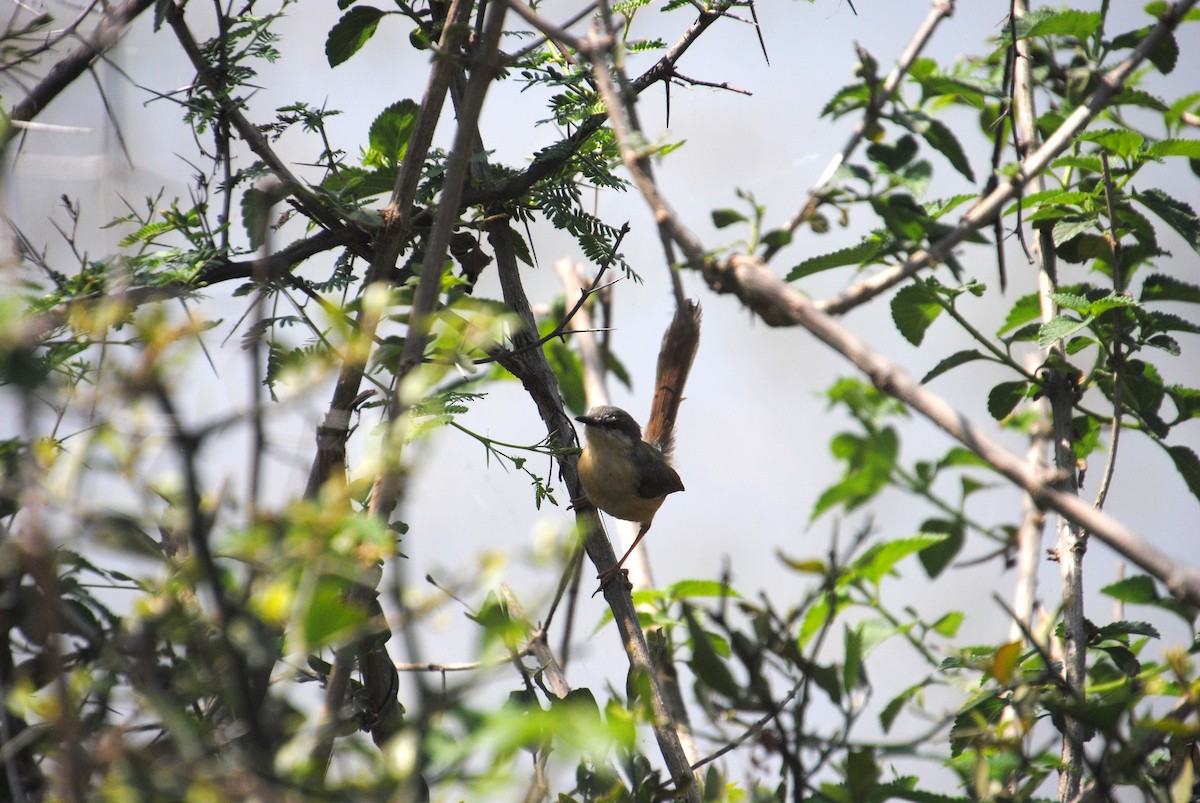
(612, 486)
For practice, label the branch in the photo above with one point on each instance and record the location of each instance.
(543, 166)
(779, 304)
(108, 31)
(309, 203)
(940, 10)
(1110, 84)
(380, 678)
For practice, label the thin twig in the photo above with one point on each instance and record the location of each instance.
(941, 9)
(1117, 359)
(1110, 83)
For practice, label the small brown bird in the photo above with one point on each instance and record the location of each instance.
(622, 474)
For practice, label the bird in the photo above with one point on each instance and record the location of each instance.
(623, 475)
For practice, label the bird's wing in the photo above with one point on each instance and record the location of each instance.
(658, 479)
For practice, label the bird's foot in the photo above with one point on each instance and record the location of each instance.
(581, 503)
(612, 573)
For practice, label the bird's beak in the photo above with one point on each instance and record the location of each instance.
(583, 419)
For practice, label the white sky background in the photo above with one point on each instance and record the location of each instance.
(753, 435)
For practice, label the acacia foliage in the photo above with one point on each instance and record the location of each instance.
(222, 668)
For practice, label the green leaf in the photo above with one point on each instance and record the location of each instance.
(350, 33)
(1059, 328)
(326, 616)
(388, 137)
(1121, 142)
(727, 217)
(893, 157)
(854, 255)
(1186, 401)
(948, 625)
(1187, 148)
(1050, 199)
(1004, 398)
(890, 711)
(1165, 54)
(1024, 309)
(1188, 466)
(942, 139)
(937, 557)
(1058, 22)
(1175, 213)
(913, 310)
(1119, 630)
(953, 361)
(941, 206)
(118, 531)
(1072, 301)
(879, 560)
(256, 207)
(852, 664)
(687, 589)
(706, 664)
(1068, 229)
(776, 238)
(1136, 590)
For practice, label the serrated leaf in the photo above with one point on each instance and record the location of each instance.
(1175, 213)
(1069, 229)
(350, 33)
(942, 139)
(953, 361)
(1186, 401)
(1072, 301)
(941, 206)
(255, 208)
(1058, 22)
(389, 133)
(1111, 301)
(1059, 328)
(1123, 657)
(1188, 466)
(1165, 54)
(1187, 148)
(913, 310)
(1116, 630)
(1004, 398)
(1136, 590)
(854, 255)
(1119, 141)
(1050, 199)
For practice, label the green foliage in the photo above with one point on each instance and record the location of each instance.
(174, 634)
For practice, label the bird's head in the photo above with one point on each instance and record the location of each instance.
(610, 422)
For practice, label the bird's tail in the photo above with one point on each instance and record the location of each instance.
(675, 358)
